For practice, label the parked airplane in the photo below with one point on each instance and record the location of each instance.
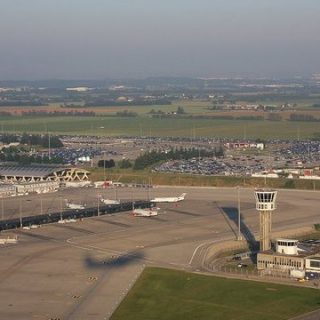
(169, 199)
(74, 205)
(149, 212)
(109, 201)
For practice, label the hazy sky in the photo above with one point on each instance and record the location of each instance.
(73, 39)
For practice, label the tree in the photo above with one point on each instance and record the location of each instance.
(180, 110)
(124, 164)
(106, 163)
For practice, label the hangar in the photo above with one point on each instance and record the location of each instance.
(15, 173)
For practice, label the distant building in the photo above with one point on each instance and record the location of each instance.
(244, 145)
(122, 99)
(78, 89)
(265, 175)
(12, 144)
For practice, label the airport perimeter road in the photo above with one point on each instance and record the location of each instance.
(82, 270)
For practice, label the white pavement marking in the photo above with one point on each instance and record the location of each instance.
(203, 244)
(195, 251)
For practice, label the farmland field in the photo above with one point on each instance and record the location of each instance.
(189, 106)
(167, 294)
(146, 126)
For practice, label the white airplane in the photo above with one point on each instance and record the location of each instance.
(149, 212)
(169, 199)
(74, 206)
(109, 201)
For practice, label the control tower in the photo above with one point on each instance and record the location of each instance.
(265, 204)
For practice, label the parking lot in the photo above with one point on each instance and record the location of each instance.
(231, 166)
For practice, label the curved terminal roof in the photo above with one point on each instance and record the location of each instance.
(30, 170)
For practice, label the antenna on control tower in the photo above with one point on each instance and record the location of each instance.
(265, 204)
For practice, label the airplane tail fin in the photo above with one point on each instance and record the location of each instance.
(183, 195)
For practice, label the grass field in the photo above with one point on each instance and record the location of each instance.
(166, 294)
(145, 126)
(146, 176)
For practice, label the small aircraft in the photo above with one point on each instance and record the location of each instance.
(169, 199)
(75, 206)
(149, 212)
(109, 201)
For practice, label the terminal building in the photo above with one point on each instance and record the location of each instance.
(14, 173)
(37, 178)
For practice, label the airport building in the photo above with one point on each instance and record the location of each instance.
(37, 187)
(313, 263)
(16, 189)
(7, 190)
(290, 257)
(14, 173)
(285, 256)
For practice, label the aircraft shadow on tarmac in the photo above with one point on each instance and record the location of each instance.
(232, 214)
(114, 262)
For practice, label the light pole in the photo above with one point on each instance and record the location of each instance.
(132, 198)
(2, 209)
(116, 192)
(41, 206)
(104, 165)
(49, 143)
(239, 216)
(61, 209)
(98, 197)
(20, 213)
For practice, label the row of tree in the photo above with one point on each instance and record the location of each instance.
(303, 117)
(22, 103)
(17, 155)
(58, 113)
(33, 140)
(104, 102)
(5, 113)
(122, 164)
(106, 163)
(126, 113)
